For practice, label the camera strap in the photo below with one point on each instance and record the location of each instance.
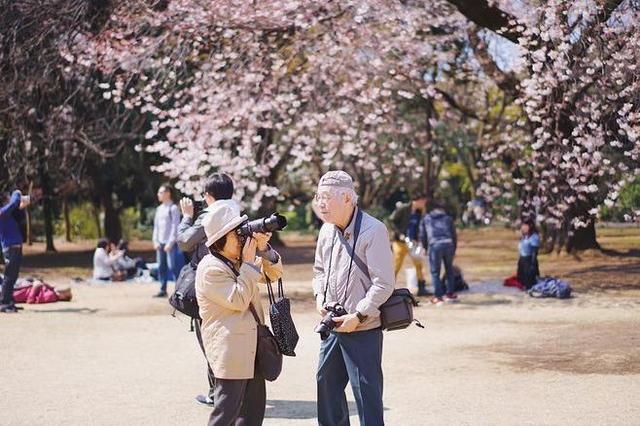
(356, 232)
(226, 262)
(236, 273)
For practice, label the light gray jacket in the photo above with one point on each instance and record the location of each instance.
(372, 278)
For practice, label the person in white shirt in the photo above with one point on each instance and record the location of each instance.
(103, 260)
(165, 229)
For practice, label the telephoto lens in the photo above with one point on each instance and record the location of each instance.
(275, 222)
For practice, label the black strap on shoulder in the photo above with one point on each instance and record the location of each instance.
(356, 232)
(226, 262)
(233, 268)
(255, 314)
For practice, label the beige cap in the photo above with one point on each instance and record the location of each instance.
(222, 216)
(337, 178)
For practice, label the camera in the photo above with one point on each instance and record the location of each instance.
(275, 222)
(198, 207)
(327, 324)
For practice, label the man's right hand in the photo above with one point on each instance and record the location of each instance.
(186, 205)
(156, 246)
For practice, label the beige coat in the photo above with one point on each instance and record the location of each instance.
(229, 331)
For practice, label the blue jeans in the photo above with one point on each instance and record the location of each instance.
(12, 261)
(356, 358)
(438, 254)
(168, 263)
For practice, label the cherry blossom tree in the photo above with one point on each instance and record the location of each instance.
(578, 141)
(283, 89)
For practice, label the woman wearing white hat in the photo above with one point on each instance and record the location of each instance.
(226, 288)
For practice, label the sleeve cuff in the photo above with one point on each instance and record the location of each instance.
(269, 254)
(368, 309)
(250, 267)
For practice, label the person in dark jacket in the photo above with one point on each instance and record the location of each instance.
(438, 233)
(528, 270)
(11, 214)
(192, 239)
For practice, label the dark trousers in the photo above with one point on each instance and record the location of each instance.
(238, 402)
(528, 271)
(356, 358)
(439, 254)
(12, 261)
(210, 376)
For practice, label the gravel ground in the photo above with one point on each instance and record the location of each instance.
(115, 356)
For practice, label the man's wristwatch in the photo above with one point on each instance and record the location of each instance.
(361, 317)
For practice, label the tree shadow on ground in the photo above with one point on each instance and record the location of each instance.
(67, 311)
(287, 409)
(73, 258)
(297, 255)
(616, 253)
(625, 276)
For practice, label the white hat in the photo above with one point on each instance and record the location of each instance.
(221, 217)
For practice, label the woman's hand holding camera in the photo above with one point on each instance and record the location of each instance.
(262, 240)
(257, 242)
(249, 250)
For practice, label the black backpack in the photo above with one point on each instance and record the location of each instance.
(184, 298)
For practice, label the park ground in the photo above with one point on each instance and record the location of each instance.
(116, 356)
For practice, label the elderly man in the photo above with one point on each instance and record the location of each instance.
(353, 267)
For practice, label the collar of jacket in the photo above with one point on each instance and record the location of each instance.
(348, 231)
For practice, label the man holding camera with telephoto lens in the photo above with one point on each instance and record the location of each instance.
(353, 276)
(192, 239)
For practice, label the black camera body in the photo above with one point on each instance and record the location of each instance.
(327, 324)
(275, 222)
(198, 207)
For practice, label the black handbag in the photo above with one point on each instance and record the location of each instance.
(284, 330)
(397, 312)
(268, 355)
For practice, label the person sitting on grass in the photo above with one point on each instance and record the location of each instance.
(104, 259)
(131, 266)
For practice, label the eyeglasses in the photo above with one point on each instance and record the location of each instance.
(323, 197)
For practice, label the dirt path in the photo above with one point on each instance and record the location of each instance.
(116, 356)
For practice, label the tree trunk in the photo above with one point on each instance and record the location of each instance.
(112, 225)
(96, 218)
(27, 212)
(583, 238)
(29, 227)
(429, 176)
(47, 206)
(67, 222)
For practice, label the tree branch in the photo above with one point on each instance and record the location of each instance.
(490, 17)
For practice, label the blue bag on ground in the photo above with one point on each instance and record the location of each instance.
(551, 287)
